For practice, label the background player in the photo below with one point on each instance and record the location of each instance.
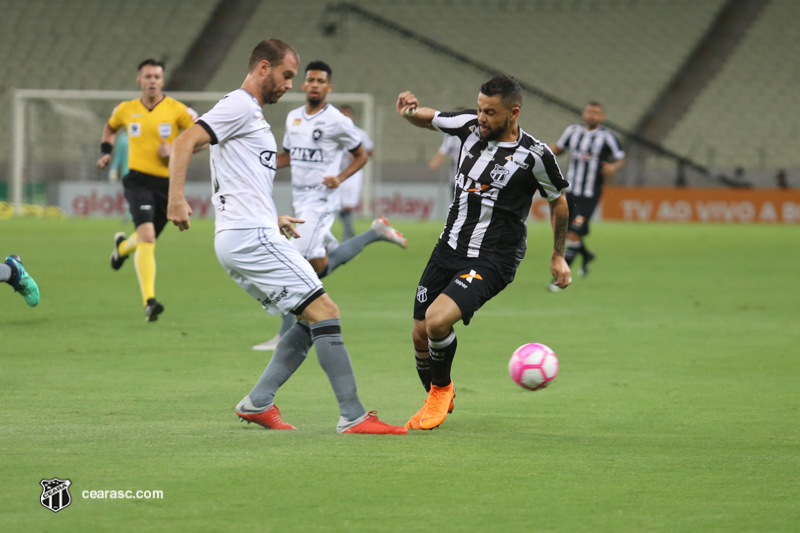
(152, 122)
(594, 155)
(13, 272)
(249, 243)
(317, 138)
(449, 151)
(351, 188)
(484, 238)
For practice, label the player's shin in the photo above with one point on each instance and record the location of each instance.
(442, 352)
(335, 361)
(289, 354)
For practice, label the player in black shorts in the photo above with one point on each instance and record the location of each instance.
(500, 169)
(594, 155)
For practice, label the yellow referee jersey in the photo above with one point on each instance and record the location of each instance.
(146, 129)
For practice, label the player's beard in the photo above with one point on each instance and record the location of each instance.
(314, 100)
(269, 93)
(495, 133)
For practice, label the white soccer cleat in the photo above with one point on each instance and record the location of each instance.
(388, 233)
(269, 345)
(554, 288)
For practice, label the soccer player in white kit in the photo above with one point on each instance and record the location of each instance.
(351, 188)
(250, 246)
(316, 140)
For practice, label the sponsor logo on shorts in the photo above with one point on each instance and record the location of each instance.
(145, 208)
(461, 284)
(275, 298)
(422, 294)
(469, 277)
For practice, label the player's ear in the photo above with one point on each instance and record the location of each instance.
(515, 112)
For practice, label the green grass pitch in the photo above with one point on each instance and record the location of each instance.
(676, 407)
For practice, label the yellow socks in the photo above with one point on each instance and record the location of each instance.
(128, 245)
(145, 261)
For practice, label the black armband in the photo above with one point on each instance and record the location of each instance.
(106, 148)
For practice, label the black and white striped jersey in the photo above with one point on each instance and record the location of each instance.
(495, 184)
(588, 149)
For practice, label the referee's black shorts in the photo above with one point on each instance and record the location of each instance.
(469, 281)
(147, 197)
(581, 210)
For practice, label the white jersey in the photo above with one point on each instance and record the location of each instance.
(451, 147)
(316, 144)
(243, 163)
(350, 189)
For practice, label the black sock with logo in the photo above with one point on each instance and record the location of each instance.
(442, 352)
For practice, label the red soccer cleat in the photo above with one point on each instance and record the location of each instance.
(268, 418)
(369, 424)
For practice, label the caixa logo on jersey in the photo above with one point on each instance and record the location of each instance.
(55, 494)
(268, 159)
(311, 155)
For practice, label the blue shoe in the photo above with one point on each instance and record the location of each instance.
(22, 281)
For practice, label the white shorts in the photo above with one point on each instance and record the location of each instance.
(351, 190)
(315, 233)
(264, 264)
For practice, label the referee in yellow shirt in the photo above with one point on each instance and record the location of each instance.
(152, 122)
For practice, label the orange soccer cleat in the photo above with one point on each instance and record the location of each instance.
(268, 418)
(437, 406)
(369, 424)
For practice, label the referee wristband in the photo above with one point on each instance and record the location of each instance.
(106, 148)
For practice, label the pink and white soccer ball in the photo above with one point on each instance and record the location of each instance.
(533, 366)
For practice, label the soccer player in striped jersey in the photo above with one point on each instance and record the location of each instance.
(484, 239)
(316, 140)
(250, 241)
(594, 155)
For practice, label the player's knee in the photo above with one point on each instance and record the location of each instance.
(420, 336)
(437, 325)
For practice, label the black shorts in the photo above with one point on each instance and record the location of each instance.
(581, 210)
(469, 281)
(147, 197)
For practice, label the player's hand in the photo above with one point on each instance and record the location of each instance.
(164, 149)
(331, 182)
(104, 160)
(406, 103)
(179, 211)
(286, 225)
(560, 271)
(608, 169)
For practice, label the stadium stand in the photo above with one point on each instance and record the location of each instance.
(620, 52)
(741, 119)
(91, 44)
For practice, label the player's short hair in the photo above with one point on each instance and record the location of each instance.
(150, 62)
(272, 50)
(320, 65)
(594, 103)
(507, 87)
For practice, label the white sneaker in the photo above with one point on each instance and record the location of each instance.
(388, 233)
(269, 345)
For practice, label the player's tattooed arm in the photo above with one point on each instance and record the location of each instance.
(559, 218)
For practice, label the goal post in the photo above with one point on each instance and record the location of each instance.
(56, 133)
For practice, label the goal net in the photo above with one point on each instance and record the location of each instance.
(56, 139)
